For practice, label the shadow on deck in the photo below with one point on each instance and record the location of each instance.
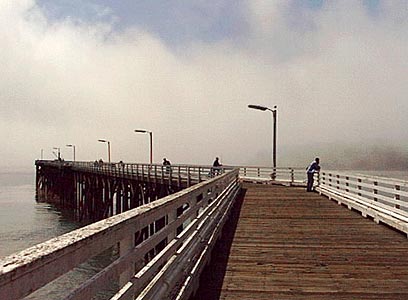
(284, 243)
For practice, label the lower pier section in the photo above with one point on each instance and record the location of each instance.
(97, 194)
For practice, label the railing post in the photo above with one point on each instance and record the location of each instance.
(199, 174)
(292, 176)
(375, 191)
(170, 176)
(188, 177)
(171, 216)
(347, 183)
(125, 246)
(338, 181)
(397, 195)
(179, 176)
(245, 172)
(359, 186)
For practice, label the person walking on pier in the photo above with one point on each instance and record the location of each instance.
(311, 170)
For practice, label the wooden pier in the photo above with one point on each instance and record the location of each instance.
(284, 243)
(255, 232)
(94, 191)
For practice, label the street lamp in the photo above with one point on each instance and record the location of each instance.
(59, 152)
(73, 149)
(275, 116)
(151, 141)
(109, 149)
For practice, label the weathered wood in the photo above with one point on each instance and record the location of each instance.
(289, 244)
(96, 191)
(142, 232)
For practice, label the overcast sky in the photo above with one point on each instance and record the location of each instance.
(75, 71)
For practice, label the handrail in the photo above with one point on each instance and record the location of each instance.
(155, 254)
(283, 175)
(383, 199)
(188, 173)
(179, 174)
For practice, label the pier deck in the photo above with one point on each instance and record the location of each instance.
(284, 243)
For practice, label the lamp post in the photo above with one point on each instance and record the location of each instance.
(59, 152)
(109, 149)
(73, 149)
(151, 141)
(275, 116)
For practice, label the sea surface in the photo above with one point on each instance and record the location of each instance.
(24, 222)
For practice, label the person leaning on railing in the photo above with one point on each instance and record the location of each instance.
(311, 170)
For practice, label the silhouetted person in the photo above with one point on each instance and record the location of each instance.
(311, 170)
(216, 169)
(167, 163)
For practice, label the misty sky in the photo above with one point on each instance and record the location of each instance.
(75, 71)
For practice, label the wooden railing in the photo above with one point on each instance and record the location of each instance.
(385, 200)
(163, 245)
(185, 175)
(291, 176)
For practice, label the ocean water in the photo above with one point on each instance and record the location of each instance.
(23, 221)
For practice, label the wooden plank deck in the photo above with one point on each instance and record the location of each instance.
(284, 243)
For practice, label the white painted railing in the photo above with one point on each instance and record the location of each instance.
(163, 246)
(182, 175)
(188, 174)
(291, 176)
(383, 199)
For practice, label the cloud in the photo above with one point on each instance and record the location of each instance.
(337, 74)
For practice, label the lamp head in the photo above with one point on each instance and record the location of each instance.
(258, 107)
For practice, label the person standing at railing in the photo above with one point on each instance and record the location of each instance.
(216, 169)
(311, 170)
(167, 164)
